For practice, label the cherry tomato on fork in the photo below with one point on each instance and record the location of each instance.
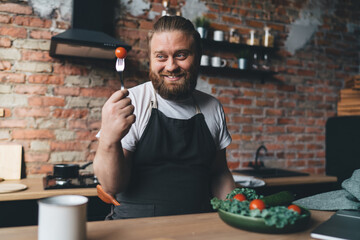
(120, 52)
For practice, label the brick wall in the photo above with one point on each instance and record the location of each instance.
(53, 106)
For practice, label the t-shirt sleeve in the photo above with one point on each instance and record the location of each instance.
(224, 135)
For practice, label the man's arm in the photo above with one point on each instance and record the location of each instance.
(222, 180)
(112, 164)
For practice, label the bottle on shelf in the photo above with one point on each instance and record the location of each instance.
(253, 40)
(268, 39)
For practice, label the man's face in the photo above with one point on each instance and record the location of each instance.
(173, 65)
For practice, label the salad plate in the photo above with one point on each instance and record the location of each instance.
(257, 224)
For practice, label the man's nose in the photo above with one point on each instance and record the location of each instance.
(171, 65)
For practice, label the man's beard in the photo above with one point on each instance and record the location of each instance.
(176, 90)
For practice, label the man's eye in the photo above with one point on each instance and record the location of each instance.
(160, 57)
(181, 55)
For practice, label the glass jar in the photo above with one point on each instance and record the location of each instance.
(253, 40)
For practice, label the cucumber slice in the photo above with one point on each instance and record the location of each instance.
(280, 198)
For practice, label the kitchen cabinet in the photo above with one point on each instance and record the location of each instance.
(215, 48)
(21, 208)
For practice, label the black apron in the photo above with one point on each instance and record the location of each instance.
(171, 168)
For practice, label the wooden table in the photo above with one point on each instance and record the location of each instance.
(35, 190)
(193, 226)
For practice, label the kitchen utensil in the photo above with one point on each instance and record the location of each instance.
(10, 161)
(65, 171)
(120, 66)
(248, 181)
(62, 217)
(256, 224)
(11, 187)
(105, 197)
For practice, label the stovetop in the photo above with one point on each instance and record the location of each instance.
(82, 181)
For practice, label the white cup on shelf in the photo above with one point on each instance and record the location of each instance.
(204, 60)
(218, 35)
(218, 62)
(62, 217)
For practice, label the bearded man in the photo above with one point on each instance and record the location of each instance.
(171, 158)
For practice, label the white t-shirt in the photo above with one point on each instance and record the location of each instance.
(210, 107)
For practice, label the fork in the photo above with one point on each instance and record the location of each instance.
(120, 66)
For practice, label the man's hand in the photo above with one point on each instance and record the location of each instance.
(117, 117)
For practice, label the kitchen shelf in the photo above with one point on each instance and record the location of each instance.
(223, 46)
(233, 47)
(235, 72)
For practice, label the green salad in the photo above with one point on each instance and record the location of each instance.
(275, 212)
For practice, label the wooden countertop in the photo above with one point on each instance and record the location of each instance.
(193, 226)
(35, 188)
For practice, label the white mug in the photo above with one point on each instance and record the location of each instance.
(218, 62)
(62, 217)
(204, 60)
(242, 63)
(218, 35)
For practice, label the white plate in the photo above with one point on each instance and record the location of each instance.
(11, 187)
(247, 181)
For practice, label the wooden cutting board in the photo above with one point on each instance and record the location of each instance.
(10, 161)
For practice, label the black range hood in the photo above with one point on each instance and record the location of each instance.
(90, 35)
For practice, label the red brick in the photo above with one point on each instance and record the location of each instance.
(254, 24)
(305, 72)
(241, 119)
(77, 124)
(69, 146)
(96, 92)
(32, 22)
(67, 91)
(16, 32)
(264, 103)
(5, 19)
(293, 129)
(70, 70)
(36, 157)
(31, 112)
(40, 34)
(12, 77)
(274, 112)
(30, 89)
(46, 79)
(5, 65)
(41, 56)
(252, 111)
(286, 121)
(233, 165)
(13, 123)
(46, 101)
(274, 129)
(32, 134)
(15, 8)
(5, 42)
(86, 135)
(70, 113)
(242, 101)
(147, 25)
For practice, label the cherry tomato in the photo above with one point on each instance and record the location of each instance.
(295, 208)
(257, 204)
(240, 197)
(120, 52)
